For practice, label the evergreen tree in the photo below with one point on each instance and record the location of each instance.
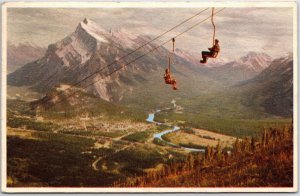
(218, 151)
(237, 146)
(253, 145)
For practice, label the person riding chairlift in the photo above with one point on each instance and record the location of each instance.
(169, 79)
(212, 53)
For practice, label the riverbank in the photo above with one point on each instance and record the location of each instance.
(194, 140)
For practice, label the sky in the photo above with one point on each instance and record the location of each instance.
(240, 30)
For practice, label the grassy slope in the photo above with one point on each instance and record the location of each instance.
(233, 111)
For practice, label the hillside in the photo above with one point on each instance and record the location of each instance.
(274, 86)
(241, 168)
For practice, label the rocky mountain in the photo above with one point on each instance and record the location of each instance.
(253, 61)
(21, 54)
(243, 68)
(273, 87)
(76, 57)
(91, 48)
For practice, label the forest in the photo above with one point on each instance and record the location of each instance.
(264, 161)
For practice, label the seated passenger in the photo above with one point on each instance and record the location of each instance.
(169, 79)
(212, 53)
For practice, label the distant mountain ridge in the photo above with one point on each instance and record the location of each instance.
(254, 61)
(274, 87)
(243, 68)
(21, 54)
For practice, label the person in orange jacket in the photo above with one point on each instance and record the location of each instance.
(169, 79)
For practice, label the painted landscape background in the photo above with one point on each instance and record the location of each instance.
(228, 125)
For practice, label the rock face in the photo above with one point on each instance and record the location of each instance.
(81, 54)
(275, 86)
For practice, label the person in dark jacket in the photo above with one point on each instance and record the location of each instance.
(212, 53)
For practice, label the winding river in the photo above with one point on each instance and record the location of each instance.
(150, 119)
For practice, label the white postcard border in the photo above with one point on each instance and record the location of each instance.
(143, 5)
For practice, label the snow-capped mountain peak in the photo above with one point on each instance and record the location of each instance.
(88, 49)
(92, 29)
(256, 61)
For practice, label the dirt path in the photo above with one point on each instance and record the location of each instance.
(94, 164)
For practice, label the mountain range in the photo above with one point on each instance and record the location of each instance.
(79, 57)
(243, 68)
(91, 48)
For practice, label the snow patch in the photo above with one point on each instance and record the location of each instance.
(254, 61)
(93, 29)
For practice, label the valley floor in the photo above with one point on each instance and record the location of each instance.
(106, 145)
(101, 154)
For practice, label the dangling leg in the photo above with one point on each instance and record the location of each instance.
(174, 84)
(167, 79)
(205, 54)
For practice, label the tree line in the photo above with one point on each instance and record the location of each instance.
(262, 161)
